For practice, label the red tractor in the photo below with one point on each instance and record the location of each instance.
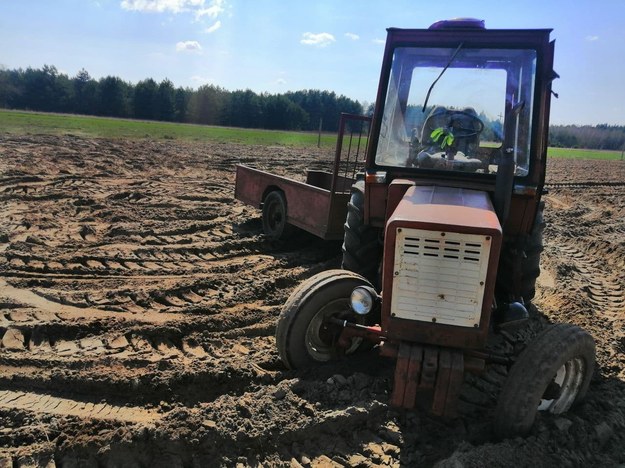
(443, 227)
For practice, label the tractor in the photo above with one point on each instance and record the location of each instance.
(442, 229)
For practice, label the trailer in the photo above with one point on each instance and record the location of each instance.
(318, 205)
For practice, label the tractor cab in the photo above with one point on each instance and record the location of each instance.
(454, 102)
(445, 108)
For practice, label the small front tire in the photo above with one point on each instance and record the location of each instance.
(303, 336)
(552, 374)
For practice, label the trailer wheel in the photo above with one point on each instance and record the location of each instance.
(274, 216)
(551, 375)
(530, 263)
(303, 337)
(362, 250)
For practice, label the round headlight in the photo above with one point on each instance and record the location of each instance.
(362, 300)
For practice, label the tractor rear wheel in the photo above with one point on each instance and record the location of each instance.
(362, 250)
(274, 216)
(530, 264)
(303, 336)
(551, 375)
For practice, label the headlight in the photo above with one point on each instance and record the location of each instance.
(363, 299)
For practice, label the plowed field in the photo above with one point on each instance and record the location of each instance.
(138, 303)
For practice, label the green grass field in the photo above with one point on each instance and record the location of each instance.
(575, 153)
(24, 123)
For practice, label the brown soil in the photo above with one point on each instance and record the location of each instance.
(138, 303)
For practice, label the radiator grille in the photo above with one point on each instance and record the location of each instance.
(439, 276)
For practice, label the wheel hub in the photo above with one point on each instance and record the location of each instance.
(322, 336)
(564, 387)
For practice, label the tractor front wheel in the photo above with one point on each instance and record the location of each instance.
(551, 375)
(303, 335)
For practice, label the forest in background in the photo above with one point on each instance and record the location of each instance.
(49, 90)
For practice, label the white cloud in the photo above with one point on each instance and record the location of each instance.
(319, 39)
(213, 28)
(379, 41)
(592, 38)
(213, 11)
(199, 8)
(188, 46)
(281, 81)
(161, 6)
(352, 36)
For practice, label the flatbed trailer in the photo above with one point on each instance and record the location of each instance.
(318, 205)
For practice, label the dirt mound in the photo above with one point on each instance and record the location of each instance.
(138, 303)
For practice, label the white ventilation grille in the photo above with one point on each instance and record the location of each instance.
(439, 276)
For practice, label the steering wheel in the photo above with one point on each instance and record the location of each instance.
(458, 126)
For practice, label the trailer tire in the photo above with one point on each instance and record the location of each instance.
(530, 263)
(275, 225)
(302, 337)
(552, 374)
(362, 249)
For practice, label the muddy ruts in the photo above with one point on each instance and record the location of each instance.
(138, 304)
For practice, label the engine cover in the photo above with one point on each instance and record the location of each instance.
(441, 253)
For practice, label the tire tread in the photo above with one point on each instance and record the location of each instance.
(530, 375)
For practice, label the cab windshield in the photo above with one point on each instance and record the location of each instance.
(476, 101)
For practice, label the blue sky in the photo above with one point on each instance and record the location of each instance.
(279, 45)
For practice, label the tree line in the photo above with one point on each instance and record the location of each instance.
(602, 136)
(48, 90)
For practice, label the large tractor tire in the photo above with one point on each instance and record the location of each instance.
(275, 226)
(551, 375)
(362, 249)
(303, 337)
(530, 263)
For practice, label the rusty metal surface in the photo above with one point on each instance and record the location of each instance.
(308, 207)
(430, 368)
(459, 210)
(456, 378)
(318, 206)
(446, 209)
(427, 371)
(350, 153)
(442, 383)
(371, 334)
(413, 376)
(401, 375)
(448, 383)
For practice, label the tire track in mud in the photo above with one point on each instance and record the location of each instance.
(604, 289)
(154, 262)
(188, 292)
(43, 403)
(46, 310)
(33, 323)
(57, 339)
(134, 281)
